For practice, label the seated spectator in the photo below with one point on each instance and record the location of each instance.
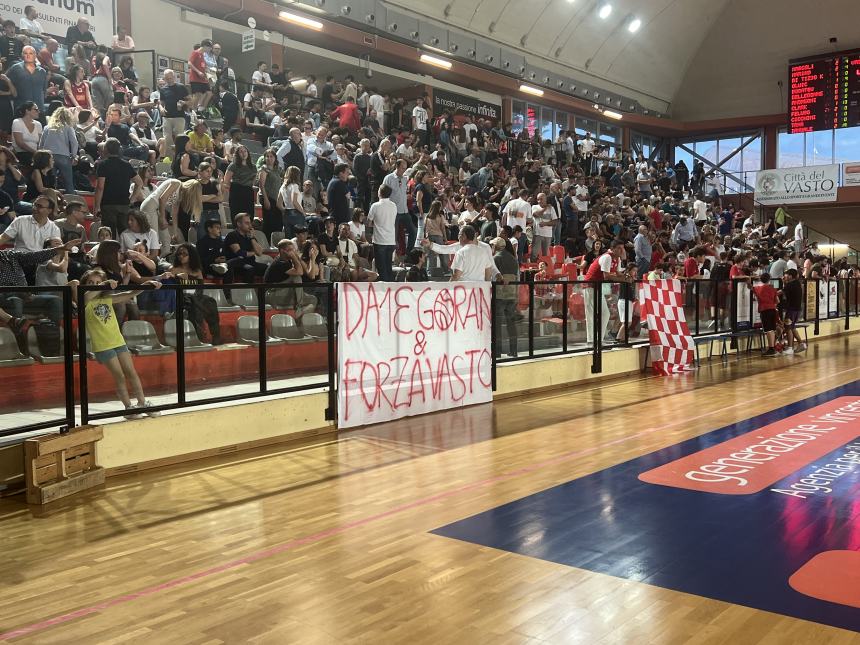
(146, 135)
(55, 271)
(242, 250)
(15, 266)
(121, 41)
(140, 233)
(213, 259)
(199, 307)
(184, 166)
(26, 132)
(130, 146)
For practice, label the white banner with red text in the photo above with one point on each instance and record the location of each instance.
(413, 348)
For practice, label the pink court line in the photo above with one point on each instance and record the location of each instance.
(343, 528)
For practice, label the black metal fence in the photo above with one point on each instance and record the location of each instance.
(193, 345)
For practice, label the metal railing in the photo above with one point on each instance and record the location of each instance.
(269, 349)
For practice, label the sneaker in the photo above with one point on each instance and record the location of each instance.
(770, 352)
(19, 326)
(788, 351)
(150, 413)
(800, 348)
(130, 414)
(219, 269)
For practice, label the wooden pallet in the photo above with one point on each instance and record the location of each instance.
(60, 465)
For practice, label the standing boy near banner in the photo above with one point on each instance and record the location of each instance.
(767, 298)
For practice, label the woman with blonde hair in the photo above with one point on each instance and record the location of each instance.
(60, 139)
(290, 197)
(190, 205)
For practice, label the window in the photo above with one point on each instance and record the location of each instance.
(818, 148)
(518, 116)
(648, 146)
(790, 150)
(847, 146)
(560, 123)
(546, 124)
(739, 157)
(610, 136)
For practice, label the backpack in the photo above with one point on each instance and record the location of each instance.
(48, 337)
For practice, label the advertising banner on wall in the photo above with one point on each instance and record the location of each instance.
(851, 173)
(457, 104)
(56, 16)
(797, 185)
(407, 349)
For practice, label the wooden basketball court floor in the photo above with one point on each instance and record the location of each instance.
(334, 543)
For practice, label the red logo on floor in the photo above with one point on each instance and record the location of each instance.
(753, 461)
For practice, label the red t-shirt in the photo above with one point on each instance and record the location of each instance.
(199, 62)
(737, 271)
(691, 268)
(348, 116)
(766, 296)
(657, 217)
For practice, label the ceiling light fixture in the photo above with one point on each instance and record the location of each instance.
(528, 89)
(436, 62)
(605, 10)
(301, 21)
(634, 25)
(613, 115)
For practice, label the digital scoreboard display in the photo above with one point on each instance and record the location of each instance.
(824, 92)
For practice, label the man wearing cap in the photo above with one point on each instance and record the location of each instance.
(148, 137)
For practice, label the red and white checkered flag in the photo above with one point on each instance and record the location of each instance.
(662, 305)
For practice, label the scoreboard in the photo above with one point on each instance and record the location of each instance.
(824, 92)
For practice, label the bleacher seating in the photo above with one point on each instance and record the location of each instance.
(142, 339)
(10, 353)
(314, 325)
(191, 341)
(283, 326)
(248, 329)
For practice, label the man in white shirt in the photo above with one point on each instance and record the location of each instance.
(517, 211)
(262, 77)
(586, 150)
(382, 217)
(30, 232)
(798, 237)
(581, 199)
(569, 148)
(544, 217)
(318, 147)
(376, 103)
(470, 130)
(472, 262)
(419, 122)
(700, 209)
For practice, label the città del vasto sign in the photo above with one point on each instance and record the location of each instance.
(464, 105)
(56, 16)
(797, 185)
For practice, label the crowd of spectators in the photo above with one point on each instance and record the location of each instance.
(353, 183)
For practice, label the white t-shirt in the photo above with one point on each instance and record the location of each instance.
(33, 26)
(129, 238)
(547, 217)
(382, 215)
(581, 198)
(290, 194)
(701, 209)
(798, 230)
(29, 236)
(586, 146)
(261, 77)
(311, 90)
(420, 116)
(377, 103)
(518, 211)
(348, 249)
(30, 138)
(405, 151)
(473, 261)
(470, 130)
(356, 229)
